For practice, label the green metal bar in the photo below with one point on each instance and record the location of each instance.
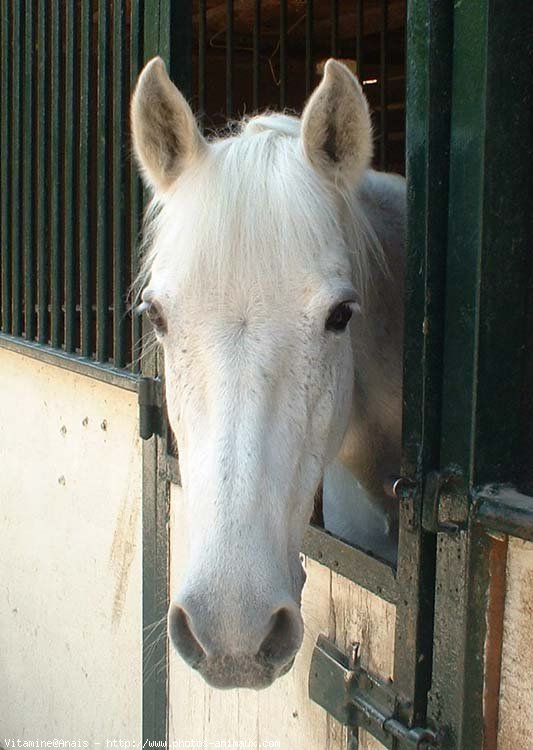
(155, 11)
(309, 47)
(41, 169)
(168, 33)
(489, 254)
(383, 84)
(505, 510)
(118, 186)
(202, 53)
(84, 238)
(69, 160)
(429, 47)
(102, 187)
(256, 56)
(16, 164)
(72, 362)
(283, 31)
(135, 211)
(230, 57)
(28, 203)
(54, 184)
(352, 563)
(5, 238)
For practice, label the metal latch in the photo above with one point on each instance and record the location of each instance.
(445, 504)
(150, 407)
(358, 699)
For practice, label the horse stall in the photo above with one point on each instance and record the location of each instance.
(432, 649)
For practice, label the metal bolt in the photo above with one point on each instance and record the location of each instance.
(395, 487)
(353, 654)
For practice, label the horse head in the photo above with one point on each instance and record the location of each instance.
(250, 282)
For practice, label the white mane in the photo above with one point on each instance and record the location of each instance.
(251, 210)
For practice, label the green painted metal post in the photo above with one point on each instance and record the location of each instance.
(70, 197)
(135, 186)
(5, 238)
(15, 53)
(84, 237)
(54, 176)
(28, 184)
(42, 176)
(428, 124)
(119, 184)
(103, 194)
(489, 253)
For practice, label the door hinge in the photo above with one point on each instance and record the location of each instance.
(445, 504)
(356, 698)
(150, 407)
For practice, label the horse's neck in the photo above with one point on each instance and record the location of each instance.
(371, 449)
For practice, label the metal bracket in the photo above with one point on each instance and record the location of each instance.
(150, 407)
(443, 491)
(358, 699)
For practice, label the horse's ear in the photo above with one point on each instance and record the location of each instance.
(336, 128)
(165, 134)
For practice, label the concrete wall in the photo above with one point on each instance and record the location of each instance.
(70, 562)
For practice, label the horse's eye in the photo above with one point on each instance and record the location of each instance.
(156, 317)
(339, 317)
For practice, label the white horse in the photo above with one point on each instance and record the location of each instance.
(263, 246)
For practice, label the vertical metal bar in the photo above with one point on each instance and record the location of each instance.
(5, 253)
(119, 291)
(334, 11)
(309, 62)
(69, 194)
(83, 187)
(202, 27)
(175, 41)
(41, 169)
(359, 39)
(102, 186)
(135, 42)
(383, 89)
(16, 247)
(429, 65)
(229, 58)
(283, 53)
(55, 176)
(29, 165)
(488, 260)
(256, 55)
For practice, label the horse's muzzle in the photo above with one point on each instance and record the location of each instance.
(231, 668)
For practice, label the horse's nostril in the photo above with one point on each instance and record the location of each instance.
(283, 639)
(182, 636)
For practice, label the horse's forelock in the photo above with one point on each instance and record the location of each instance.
(261, 210)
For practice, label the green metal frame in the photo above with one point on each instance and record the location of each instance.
(357, 565)
(489, 253)
(67, 361)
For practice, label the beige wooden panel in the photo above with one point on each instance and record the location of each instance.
(283, 713)
(516, 687)
(70, 569)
